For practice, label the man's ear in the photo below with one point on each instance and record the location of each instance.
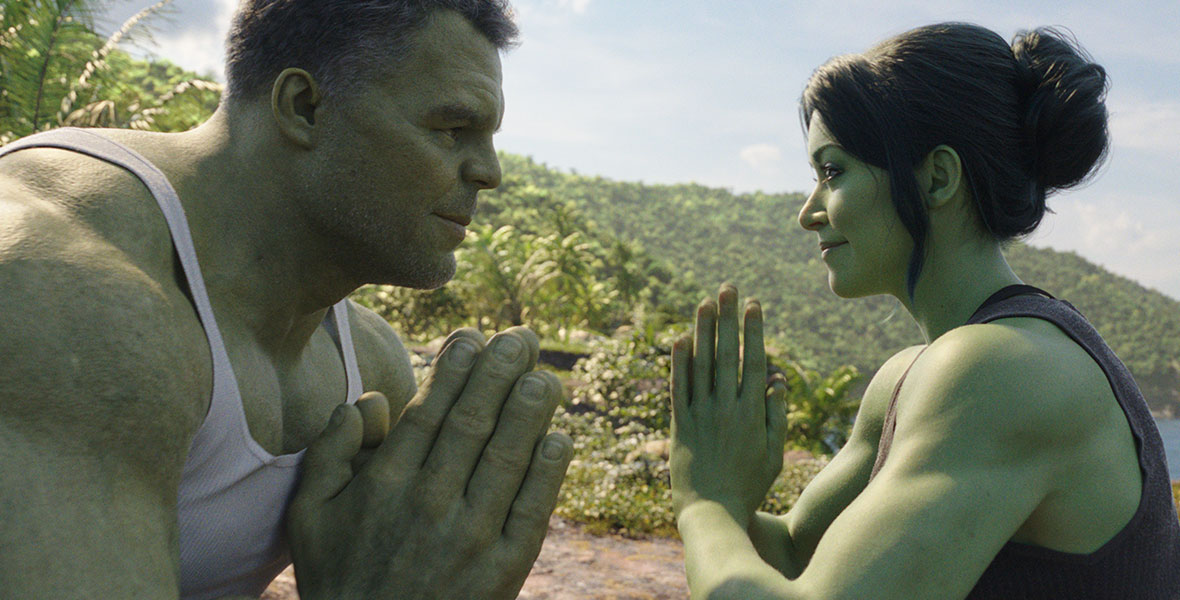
(293, 101)
(940, 176)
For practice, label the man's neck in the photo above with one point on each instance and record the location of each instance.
(267, 272)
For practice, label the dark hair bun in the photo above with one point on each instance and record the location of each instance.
(1064, 104)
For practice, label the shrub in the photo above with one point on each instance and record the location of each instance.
(619, 420)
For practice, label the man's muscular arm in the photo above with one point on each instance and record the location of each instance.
(97, 408)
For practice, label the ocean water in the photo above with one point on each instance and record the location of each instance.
(1170, 432)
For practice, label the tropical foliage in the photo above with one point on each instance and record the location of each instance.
(610, 271)
(56, 71)
(705, 236)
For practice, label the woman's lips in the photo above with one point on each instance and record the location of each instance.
(825, 247)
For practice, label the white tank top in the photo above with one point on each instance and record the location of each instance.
(233, 494)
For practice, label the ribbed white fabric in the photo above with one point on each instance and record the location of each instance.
(233, 494)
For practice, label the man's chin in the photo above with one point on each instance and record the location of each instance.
(425, 277)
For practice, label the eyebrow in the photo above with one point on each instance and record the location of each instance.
(819, 152)
(460, 112)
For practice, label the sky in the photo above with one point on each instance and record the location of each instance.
(706, 91)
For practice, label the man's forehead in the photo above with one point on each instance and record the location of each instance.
(446, 57)
(449, 40)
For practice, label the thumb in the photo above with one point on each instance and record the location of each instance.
(327, 467)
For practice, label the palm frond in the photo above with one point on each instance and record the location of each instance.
(99, 57)
(41, 43)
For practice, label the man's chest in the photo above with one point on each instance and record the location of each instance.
(287, 403)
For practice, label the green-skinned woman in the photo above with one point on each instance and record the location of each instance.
(1010, 456)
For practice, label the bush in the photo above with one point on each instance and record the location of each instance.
(619, 419)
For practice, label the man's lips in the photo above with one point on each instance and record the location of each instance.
(826, 245)
(461, 219)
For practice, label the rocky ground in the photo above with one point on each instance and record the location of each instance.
(575, 565)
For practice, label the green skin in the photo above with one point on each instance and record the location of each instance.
(1006, 431)
(294, 199)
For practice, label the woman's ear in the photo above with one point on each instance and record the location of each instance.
(940, 176)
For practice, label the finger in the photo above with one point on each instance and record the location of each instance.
(753, 394)
(681, 376)
(327, 465)
(531, 342)
(776, 418)
(472, 419)
(702, 351)
(725, 380)
(506, 459)
(528, 519)
(375, 410)
(406, 447)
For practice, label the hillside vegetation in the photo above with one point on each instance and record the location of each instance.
(696, 237)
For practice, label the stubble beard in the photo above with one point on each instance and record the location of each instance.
(379, 257)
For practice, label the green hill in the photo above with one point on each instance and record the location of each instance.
(696, 237)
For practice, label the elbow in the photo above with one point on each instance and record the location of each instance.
(739, 587)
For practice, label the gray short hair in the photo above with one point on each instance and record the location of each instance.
(339, 41)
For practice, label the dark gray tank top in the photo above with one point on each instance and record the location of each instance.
(1142, 561)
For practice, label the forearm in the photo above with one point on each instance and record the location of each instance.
(722, 561)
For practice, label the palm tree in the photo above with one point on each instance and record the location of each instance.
(504, 274)
(55, 70)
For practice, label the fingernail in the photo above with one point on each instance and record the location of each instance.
(553, 449)
(508, 347)
(463, 354)
(533, 387)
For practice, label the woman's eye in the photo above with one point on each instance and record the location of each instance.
(830, 172)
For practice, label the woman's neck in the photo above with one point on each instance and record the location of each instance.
(955, 280)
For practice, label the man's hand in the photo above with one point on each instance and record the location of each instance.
(455, 502)
(727, 435)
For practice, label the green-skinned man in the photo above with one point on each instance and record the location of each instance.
(173, 429)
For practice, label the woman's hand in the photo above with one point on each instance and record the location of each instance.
(727, 436)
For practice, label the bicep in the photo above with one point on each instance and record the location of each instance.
(381, 356)
(96, 414)
(843, 479)
(925, 530)
(80, 523)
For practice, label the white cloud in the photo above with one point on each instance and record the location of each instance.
(192, 36)
(548, 12)
(1146, 125)
(1140, 243)
(763, 157)
(578, 6)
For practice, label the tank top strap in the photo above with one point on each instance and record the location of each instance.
(890, 425)
(1005, 293)
(338, 326)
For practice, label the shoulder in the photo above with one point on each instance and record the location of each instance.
(381, 356)
(1018, 385)
(84, 326)
(90, 199)
(875, 402)
(86, 319)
